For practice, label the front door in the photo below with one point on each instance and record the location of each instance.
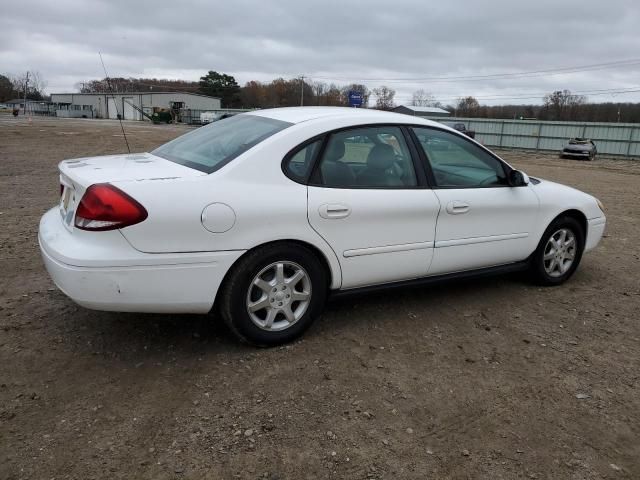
(366, 202)
(483, 221)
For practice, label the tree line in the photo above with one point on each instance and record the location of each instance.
(254, 94)
(560, 105)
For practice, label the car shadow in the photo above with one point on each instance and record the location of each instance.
(423, 298)
(136, 335)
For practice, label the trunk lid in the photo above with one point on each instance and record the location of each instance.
(117, 168)
(79, 174)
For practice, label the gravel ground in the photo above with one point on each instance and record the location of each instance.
(494, 379)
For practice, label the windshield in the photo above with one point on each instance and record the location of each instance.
(209, 148)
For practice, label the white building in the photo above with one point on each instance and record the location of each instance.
(128, 105)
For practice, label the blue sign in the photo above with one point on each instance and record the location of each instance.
(355, 99)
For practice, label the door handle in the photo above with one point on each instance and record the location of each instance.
(334, 211)
(457, 207)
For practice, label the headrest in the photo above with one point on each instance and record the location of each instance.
(381, 157)
(335, 150)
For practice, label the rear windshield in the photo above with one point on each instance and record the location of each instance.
(209, 148)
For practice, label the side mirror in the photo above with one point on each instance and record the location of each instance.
(518, 178)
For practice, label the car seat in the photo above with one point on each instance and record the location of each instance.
(376, 174)
(334, 172)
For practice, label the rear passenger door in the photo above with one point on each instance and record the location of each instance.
(369, 202)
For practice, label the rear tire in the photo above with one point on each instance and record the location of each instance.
(559, 252)
(273, 294)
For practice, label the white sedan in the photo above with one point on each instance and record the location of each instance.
(261, 216)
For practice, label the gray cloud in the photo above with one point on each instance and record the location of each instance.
(338, 41)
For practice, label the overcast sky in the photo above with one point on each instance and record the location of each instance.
(373, 42)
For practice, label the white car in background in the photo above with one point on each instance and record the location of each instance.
(259, 217)
(210, 117)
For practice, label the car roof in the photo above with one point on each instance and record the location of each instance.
(305, 114)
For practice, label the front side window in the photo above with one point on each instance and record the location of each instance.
(210, 147)
(458, 163)
(367, 157)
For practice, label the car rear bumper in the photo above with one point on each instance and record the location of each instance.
(595, 232)
(128, 280)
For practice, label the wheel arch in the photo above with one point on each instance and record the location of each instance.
(574, 213)
(332, 270)
(577, 215)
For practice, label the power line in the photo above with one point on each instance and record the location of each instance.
(611, 91)
(449, 97)
(496, 76)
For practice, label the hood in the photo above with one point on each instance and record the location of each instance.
(582, 147)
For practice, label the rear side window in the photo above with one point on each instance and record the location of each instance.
(299, 164)
(367, 157)
(209, 148)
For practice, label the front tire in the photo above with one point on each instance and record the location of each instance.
(559, 252)
(273, 294)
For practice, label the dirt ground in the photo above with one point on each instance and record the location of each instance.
(490, 379)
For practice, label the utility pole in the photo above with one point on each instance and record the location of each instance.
(26, 83)
(301, 90)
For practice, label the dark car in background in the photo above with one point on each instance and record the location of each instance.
(583, 148)
(461, 127)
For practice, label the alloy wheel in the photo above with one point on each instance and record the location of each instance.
(560, 252)
(278, 296)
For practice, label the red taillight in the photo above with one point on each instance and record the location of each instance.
(105, 207)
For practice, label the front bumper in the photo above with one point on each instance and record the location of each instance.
(595, 232)
(120, 278)
(574, 153)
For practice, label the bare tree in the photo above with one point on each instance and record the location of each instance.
(37, 82)
(253, 94)
(384, 100)
(122, 85)
(467, 106)
(562, 104)
(320, 90)
(423, 99)
(35, 86)
(334, 97)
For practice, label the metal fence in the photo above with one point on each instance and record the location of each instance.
(617, 139)
(39, 108)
